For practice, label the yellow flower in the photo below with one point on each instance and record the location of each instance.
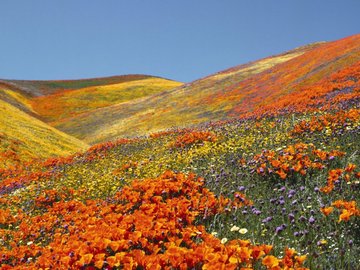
(323, 242)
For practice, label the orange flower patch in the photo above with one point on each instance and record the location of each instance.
(294, 159)
(149, 224)
(337, 175)
(348, 209)
(194, 137)
(329, 121)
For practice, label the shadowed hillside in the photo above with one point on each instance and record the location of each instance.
(40, 88)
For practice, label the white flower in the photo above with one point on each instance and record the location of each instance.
(234, 228)
(214, 233)
(224, 240)
(243, 230)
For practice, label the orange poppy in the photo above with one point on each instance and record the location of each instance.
(326, 210)
(270, 261)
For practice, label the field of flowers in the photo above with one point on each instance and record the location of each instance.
(259, 193)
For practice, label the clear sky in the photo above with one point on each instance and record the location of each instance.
(181, 40)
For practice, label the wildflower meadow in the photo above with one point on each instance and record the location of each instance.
(263, 193)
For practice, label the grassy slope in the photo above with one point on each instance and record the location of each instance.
(273, 83)
(25, 137)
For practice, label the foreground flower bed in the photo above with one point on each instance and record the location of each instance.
(150, 224)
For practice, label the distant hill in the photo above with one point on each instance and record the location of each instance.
(293, 81)
(51, 102)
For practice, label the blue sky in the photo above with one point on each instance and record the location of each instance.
(181, 40)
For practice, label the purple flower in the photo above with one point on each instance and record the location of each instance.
(281, 202)
(291, 216)
(294, 202)
(280, 228)
(302, 188)
(282, 189)
(302, 218)
(257, 212)
(296, 234)
(241, 188)
(311, 220)
(292, 192)
(268, 219)
(316, 189)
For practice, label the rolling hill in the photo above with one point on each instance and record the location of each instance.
(305, 76)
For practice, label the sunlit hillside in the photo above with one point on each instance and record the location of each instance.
(23, 137)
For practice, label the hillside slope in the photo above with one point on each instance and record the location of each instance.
(55, 101)
(319, 73)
